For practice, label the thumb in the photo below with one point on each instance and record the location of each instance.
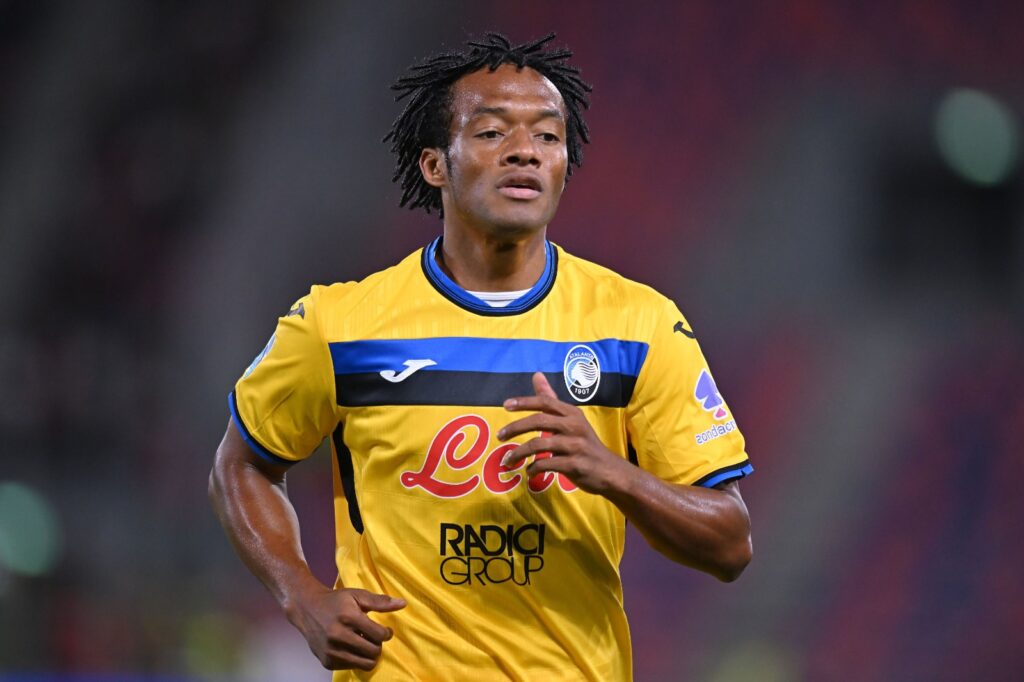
(368, 601)
(541, 385)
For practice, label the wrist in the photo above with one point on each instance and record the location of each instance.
(295, 596)
(618, 478)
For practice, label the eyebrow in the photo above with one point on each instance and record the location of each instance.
(501, 111)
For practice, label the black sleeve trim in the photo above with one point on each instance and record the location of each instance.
(728, 473)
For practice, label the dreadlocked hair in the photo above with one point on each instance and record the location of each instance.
(426, 120)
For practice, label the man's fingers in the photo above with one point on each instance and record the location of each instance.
(535, 422)
(544, 400)
(558, 465)
(530, 447)
(541, 385)
(370, 630)
(356, 644)
(535, 403)
(368, 601)
(345, 660)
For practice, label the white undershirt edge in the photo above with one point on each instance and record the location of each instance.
(498, 299)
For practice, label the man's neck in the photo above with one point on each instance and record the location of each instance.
(478, 262)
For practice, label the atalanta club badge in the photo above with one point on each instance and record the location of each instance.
(582, 373)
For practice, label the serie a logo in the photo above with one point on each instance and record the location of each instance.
(582, 373)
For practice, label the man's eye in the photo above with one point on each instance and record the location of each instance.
(549, 137)
(489, 134)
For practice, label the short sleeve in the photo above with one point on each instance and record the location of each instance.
(679, 426)
(284, 403)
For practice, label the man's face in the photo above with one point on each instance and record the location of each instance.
(507, 152)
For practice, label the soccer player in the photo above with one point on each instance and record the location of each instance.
(497, 409)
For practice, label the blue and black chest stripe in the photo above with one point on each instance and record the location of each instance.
(481, 371)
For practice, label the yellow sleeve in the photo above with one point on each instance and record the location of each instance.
(678, 423)
(284, 403)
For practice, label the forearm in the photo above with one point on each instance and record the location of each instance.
(706, 529)
(260, 521)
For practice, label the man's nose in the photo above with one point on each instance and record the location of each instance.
(520, 149)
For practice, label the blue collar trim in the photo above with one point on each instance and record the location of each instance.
(459, 296)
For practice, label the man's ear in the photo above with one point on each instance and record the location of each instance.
(433, 167)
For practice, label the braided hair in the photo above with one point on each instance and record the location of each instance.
(427, 117)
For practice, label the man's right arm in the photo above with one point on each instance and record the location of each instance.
(250, 498)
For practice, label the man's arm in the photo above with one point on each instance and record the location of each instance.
(706, 529)
(251, 500)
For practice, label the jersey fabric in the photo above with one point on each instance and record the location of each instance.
(406, 373)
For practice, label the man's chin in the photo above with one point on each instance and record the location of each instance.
(507, 222)
(521, 223)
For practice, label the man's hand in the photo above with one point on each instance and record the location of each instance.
(337, 629)
(576, 450)
(704, 528)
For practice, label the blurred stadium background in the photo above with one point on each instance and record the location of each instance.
(832, 192)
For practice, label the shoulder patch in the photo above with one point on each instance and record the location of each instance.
(263, 354)
(706, 393)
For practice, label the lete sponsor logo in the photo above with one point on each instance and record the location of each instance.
(446, 455)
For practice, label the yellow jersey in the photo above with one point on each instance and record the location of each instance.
(505, 575)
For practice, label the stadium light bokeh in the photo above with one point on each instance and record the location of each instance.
(977, 135)
(30, 533)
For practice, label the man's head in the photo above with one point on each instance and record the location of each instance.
(483, 125)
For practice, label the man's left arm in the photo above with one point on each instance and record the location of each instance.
(705, 528)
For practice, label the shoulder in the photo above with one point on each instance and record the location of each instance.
(608, 290)
(337, 302)
(349, 294)
(607, 280)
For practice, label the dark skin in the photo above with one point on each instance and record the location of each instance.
(501, 179)
(508, 127)
(705, 529)
(251, 500)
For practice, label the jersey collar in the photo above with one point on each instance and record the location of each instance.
(462, 298)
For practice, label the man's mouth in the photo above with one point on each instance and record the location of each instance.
(515, 192)
(520, 186)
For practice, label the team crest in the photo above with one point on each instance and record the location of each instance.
(582, 373)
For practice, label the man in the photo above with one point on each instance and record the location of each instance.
(497, 408)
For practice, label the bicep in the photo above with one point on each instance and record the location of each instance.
(732, 489)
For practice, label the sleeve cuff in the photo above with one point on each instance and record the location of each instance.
(733, 471)
(253, 444)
